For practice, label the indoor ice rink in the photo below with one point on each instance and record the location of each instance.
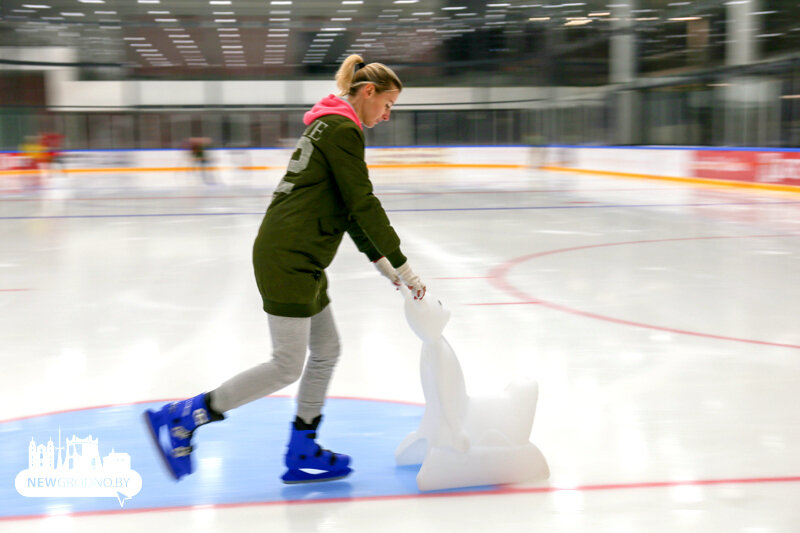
(631, 246)
(658, 319)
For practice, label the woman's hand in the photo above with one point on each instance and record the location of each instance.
(411, 280)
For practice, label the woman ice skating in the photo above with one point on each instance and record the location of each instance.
(325, 192)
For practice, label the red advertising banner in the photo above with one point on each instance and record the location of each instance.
(773, 168)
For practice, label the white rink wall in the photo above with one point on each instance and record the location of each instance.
(260, 167)
(654, 161)
(425, 165)
(512, 156)
(776, 169)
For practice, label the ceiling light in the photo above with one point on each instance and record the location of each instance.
(406, 1)
(166, 20)
(227, 29)
(224, 13)
(341, 19)
(352, 2)
(72, 15)
(281, 2)
(92, 1)
(133, 38)
(577, 22)
(232, 46)
(158, 12)
(220, 2)
(179, 36)
(224, 20)
(458, 8)
(105, 12)
(149, 1)
(36, 6)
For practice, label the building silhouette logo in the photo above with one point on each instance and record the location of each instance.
(80, 473)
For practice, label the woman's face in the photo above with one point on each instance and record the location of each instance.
(376, 107)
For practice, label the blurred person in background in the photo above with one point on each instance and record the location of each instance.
(198, 151)
(51, 148)
(325, 192)
(198, 146)
(31, 166)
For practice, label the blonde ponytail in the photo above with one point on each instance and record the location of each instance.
(353, 73)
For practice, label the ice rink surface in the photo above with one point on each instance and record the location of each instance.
(661, 322)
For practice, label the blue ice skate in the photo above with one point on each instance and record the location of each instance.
(307, 461)
(172, 427)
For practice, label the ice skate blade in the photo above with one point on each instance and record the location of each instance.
(296, 477)
(152, 423)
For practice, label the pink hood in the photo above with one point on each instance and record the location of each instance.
(331, 105)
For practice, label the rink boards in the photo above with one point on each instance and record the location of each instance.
(776, 169)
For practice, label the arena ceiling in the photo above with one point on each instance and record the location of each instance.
(293, 37)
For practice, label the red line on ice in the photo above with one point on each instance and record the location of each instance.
(499, 279)
(500, 491)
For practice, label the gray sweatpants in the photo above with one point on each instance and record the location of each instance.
(291, 338)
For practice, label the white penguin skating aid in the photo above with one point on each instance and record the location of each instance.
(463, 441)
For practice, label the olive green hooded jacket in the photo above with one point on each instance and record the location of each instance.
(325, 192)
